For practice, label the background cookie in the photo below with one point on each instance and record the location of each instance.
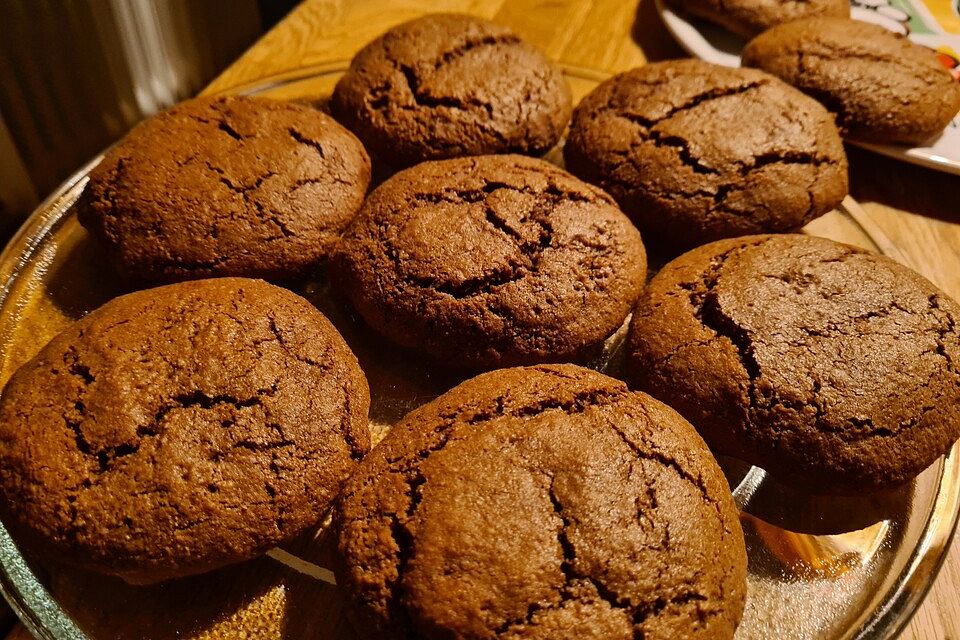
(750, 17)
(179, 429)
(542, 502)
(694, 152)
(882, 87)
(491, 260)
(449, 85)
(226, 186)
(833, 368)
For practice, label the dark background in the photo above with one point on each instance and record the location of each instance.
(75, 75)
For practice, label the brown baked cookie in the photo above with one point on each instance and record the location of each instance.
(448, 85)
(833, 368)
(694, 152)
(882, 87)
(491, 260)
(226, 186)
(179, 429)
(542, 503)
(749, 17)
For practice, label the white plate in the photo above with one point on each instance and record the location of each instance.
(715, 44)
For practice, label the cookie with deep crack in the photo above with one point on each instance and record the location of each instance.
(491, 260)
(489, 512)
(883, 87)
(448, 85)
(179, 429)
(833, 368)
(236, 186)
(750, 17)
(694, 152)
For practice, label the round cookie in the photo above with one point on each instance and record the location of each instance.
(448, 85)
(833, 368)
(491, 260)
(179, 429)
(694, 152)
(542, 502)
(237, 186)
(882, 87)
(749, 17)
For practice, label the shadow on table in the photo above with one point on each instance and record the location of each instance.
(315, 609)
(82, 278)
(909, 187)
(235, 597)
(651, 34)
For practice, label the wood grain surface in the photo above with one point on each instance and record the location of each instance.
(918, 209)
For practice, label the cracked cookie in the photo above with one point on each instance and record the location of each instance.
(833, 368)
(179, 429)
(448, 85)
(491, 260)
(694, 152)
(236, 186)
(488, 513)
(749, 17)
(882, 87)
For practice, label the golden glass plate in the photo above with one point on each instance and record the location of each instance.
(833, 568)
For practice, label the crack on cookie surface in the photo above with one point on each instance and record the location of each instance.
(582, 583)
(726, 192)
(882, 87)
(154, 438)
(270, 209)
(415, 78)
(708, 311)
(810, 387)
(649, 123)
(409, 107)
(530, 252)
(307, 141)
(528, 242)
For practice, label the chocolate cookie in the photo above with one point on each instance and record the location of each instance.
(694, 152)
(491, 260)
(882, 87)
(750, 17)
(832, 368)
(446, 85)
(542, 502)
(226, 186)
(180, 429)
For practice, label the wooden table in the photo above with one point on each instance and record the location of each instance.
(916, 208)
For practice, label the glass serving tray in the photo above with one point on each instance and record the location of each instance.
(833, 568)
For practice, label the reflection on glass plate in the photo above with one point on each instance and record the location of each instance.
(819, 567)
(715, 44)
